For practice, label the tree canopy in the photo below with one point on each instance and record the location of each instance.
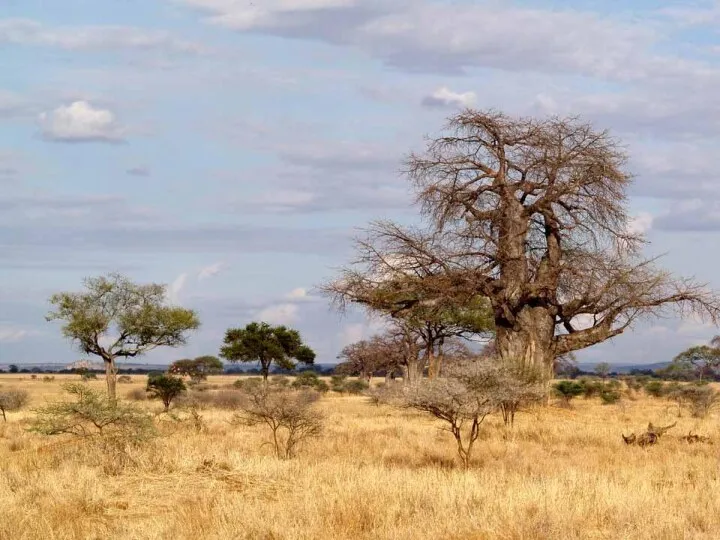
(116, 318)
(197, 369)
(266, 344)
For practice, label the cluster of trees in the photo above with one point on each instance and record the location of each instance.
(525, 240)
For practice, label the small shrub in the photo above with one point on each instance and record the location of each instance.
(33, 376)
(700, 400)
(124, 379)
(305, 379)
(322, 387)
(337, 383)
(609, 395)
(137, 394)
(165, 388)
(590, 388)
(93, 414)
(280, 380)
(290, 416)
(655, 389)
(88, 376)
(48, 378)
(248, 383)
(12, 399)
(568, 390)
(356, 387)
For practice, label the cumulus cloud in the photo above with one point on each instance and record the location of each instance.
(91, 38)
(210, 271)
(279, 314)
(641, 224)
(444, 97)
(80, 122)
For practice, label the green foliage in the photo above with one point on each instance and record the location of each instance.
(701, 362)
(590, 388)
(602, 369)
(165, 388)
(356, 386)
(93, 414)
(337, 383)
(280, 380)
(610, 395)
(133, 317)
(248, 383)
(266, 344)
(567, 390)
(197, 369)
(12, 399)
(655, 389)
(88, 376)
(310, 379)
(12, 368)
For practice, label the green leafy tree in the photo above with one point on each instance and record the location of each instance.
(197, 369)
(567, 390)
(266, 344)
(13, 368)
(602, 370)
(116, 318)
(165, 388)
(702, 361)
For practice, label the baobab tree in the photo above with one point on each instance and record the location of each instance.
(530, 215)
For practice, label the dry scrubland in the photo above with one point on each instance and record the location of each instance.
(378, 472)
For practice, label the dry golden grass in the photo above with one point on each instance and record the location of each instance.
(377, 473)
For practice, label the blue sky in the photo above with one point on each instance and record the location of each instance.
(231, 148)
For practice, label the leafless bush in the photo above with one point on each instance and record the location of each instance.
(700, 400)
(290, 415)
(471, 390)
(125, 379)
(221, 399)
(12, 399)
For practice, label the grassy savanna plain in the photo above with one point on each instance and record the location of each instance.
(377, 472)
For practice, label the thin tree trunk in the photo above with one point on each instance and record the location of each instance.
(110, 377)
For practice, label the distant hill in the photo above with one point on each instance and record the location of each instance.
(623, 368)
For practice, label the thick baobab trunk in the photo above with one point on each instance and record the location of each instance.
(530, 344)
(110, 376)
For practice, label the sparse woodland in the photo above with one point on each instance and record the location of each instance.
(450, 424)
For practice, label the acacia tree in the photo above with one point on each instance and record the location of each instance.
(384, 352)
(197, 369)
(116, 318)
(530, 214)
(266, 344)
(702, 360)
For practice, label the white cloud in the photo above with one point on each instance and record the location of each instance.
(279, 314)
(444, 97)
(11, 334)
(29, 32)
(173, 291)
(297, 294)
(210, 271)
(641, 224)
(80, 122)
(352, 333)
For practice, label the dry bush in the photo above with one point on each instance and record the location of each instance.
(291, 416)
(93, 414)
(137, 394)
(700, 400)
(12, 399)
(219, 399)
(125, 379)
(470, 391)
